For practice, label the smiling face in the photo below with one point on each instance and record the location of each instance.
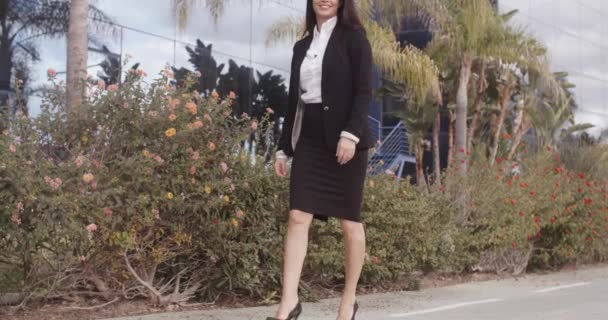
(326, 9)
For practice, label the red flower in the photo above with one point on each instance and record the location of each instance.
(557, 158)
(559, 170)
(553, 197)
(532, 193)
(549, 148)
(461, 150)
(510, 182)
(513, 202)
(523, 185)
(498, 159)
(536, 219)
(514, 245)
(538, 234)
(521, 214)
(375, 260)
(552, 219)
(215, 220)
(588, 184)
(580, 190)
(588, 201)
(581, 175)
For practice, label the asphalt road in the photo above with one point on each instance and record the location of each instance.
(573, 295)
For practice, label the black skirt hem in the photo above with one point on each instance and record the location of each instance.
(318, 215)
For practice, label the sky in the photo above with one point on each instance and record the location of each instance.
(573, 30)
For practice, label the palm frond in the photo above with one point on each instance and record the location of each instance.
(288, 29)
(406, 65)
(575, 128)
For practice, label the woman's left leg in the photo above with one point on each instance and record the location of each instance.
(354, 245)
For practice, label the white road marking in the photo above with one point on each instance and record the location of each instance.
(579, 284)
(448, 307)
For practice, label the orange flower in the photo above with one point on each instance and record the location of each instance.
(191, 108)
(112, 88)
(87, 177)
(207, 189)
(170, 132)
(51, 73)
(211, 146)
(169, 195)
(197, 124)
(172, 117)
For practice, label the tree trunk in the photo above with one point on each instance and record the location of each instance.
(505, 95)
(420, 178)
(517, 139)
(6, 71)
(450, 140)
(77, 52)
(436, 155)
(481, 88)
(462, 102)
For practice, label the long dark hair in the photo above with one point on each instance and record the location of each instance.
(347, 16)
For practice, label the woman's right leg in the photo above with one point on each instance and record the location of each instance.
(296, 244)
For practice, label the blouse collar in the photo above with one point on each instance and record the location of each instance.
(327, 27)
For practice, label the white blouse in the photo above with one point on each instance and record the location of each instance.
(311, 71)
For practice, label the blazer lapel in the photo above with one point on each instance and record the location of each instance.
(328, 57)
(300, 54)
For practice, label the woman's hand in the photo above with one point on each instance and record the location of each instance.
(346, 150)
(280, 167)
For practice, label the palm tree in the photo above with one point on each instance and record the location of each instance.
(24, 21)
(418, 119)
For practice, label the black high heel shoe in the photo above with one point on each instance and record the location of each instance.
(355, 308)
(293, 315)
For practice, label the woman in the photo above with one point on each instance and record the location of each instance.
(327, 134)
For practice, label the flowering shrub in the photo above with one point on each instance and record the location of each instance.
(534, 211)
(137, 186)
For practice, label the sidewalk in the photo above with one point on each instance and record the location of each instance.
(560, 296)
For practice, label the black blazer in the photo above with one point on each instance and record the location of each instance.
(346, 88)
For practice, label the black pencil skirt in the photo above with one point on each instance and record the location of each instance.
(319, 184)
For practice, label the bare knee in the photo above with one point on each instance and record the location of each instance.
(353, 230)
(300, 218)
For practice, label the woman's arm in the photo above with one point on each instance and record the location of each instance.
(361, 63)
